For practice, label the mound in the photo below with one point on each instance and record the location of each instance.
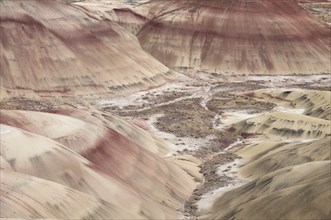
(316, 103)
(129, 19)
(267, 160)
(255, 37)
(110, 166)
(41, 157)
(21, 196)
(297, 192)
(75, 131)
(285, 125)
(126, 17)
(48, 46)
(290, 172)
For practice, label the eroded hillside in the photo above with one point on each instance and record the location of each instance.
(96, 121)
(259, 37)
(47, 46)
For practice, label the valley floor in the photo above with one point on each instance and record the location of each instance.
(198, 117)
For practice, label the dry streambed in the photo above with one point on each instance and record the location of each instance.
(196, 119)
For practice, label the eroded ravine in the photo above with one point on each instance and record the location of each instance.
(99, 122)
(212, 107)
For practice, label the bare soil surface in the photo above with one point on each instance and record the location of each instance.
(190, 114)
(195, 117)
(211, 181)
(320, 10)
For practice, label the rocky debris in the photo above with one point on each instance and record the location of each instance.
(229, 101)
(321, 10)
(211, 181)
(184, 118)
(27, 104)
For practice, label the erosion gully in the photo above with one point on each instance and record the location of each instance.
(219, 166)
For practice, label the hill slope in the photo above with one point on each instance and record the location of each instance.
(94, 159)
(48, 46)
(260, 37)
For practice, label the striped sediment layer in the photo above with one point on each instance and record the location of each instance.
(286, 161)
(51, 47)
(86, 158)
(244, 37)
